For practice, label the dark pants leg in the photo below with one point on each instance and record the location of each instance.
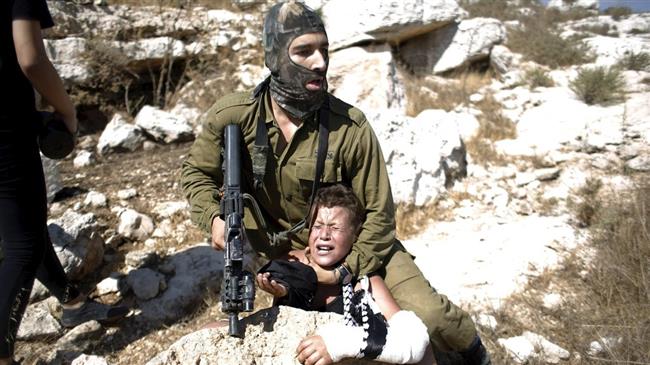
(23, 233)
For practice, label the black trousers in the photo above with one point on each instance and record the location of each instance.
(26, 246)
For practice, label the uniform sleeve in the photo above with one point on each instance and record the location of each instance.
(201, 173)
(33, 10)
(371, 185)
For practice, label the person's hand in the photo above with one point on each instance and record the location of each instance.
(328, 277)
(312, 351)
(218, 228)
(270, 286)
(70, 121)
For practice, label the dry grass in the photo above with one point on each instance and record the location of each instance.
(493, 126)
(606, 291)
(585, 202)
(635, 61)
(538, 77)
(426, 93)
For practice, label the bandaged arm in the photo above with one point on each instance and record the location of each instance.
(406, 340)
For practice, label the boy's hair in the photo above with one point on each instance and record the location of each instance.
(339, 195)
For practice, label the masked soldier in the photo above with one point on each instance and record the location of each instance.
(299, 137)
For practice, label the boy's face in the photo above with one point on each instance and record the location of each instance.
(310, 51)
(331, 236)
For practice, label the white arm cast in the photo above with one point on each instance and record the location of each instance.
(406, 341)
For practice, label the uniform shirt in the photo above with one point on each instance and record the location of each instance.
(354, 157)
(17, 96)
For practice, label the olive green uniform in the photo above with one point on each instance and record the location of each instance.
(353, 157)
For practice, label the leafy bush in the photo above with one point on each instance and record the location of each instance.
(599, 85)
(538, 77)
(617, 12)
(635, 61)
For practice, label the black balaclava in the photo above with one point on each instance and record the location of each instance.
(288, 79)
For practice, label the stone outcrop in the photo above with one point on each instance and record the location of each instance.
(393, 21)
(272, 336)
(453, 46)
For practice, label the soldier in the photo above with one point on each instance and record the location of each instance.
(298, 136)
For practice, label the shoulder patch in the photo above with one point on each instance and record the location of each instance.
(340, 107)
(230, 100)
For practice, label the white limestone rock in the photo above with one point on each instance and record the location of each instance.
(134, 225)
(95, 199)
(67, 56)
(566, 4)
(453, 46)
(367, 78)
(271, 337)
(77, 242)
(83, 158)
(89, 359)
(163, 126)
(610, 50)
(433, 133)
(38, 322)
(120, 135)
(392, 21)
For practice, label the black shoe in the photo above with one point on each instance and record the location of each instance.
(91, 310)
(476, 354)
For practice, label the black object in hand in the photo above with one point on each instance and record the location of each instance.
(54, 139)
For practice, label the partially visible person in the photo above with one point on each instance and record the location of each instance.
(376, 327)
(26, 246)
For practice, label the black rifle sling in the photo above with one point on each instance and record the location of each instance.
(260, 154)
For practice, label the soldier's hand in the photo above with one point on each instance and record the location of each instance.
(313, 351)
(218, 227)
(328, 277)
(270, 286)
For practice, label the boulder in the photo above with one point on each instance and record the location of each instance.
(272, 336)
(367, 78)
(119, 136)
(197, 270)
(610, 50)
(352, 22)
(163, 126)
(453, 46)
(435, 156)
(77, 242)
(67, 56)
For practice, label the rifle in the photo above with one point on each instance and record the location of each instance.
(238, 286)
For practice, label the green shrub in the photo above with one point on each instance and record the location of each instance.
(601, 29)
(617, 12)
(635, 61)
(599, 85)
(538, 77)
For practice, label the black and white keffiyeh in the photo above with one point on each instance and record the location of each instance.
(360, 310)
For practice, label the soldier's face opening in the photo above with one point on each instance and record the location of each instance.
(310, 51)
